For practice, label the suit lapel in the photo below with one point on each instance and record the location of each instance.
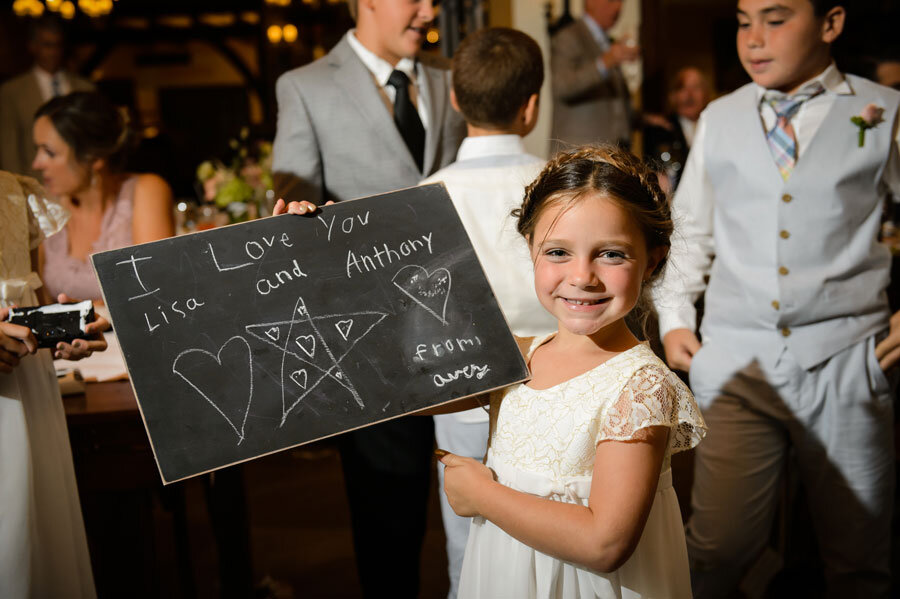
(588, 40)
(358, 85)
(436, 94)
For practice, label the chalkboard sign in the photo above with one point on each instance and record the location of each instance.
(256, 337)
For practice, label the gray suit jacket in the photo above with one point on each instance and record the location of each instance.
(587, 108)
(20, 97)
(336, 139)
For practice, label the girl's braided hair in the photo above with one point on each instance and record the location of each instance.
(613, 173)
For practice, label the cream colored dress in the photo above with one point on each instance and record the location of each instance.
(544, 444)
(43, 548)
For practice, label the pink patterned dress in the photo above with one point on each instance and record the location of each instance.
(64, 274)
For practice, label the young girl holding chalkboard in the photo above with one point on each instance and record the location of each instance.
(576, 498)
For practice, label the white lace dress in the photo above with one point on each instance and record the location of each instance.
(43, 548)
(544, 444)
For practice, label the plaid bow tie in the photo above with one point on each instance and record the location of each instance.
(781, 138)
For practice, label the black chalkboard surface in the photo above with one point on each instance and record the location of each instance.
(253, 338)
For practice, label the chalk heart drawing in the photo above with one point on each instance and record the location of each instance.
(307, 343)
(273, 333)
(343, 327)
(300, 378)
(196, 366)
(430, 290)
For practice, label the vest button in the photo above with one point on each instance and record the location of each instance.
(787, 198)
(783, 271)
(785, 332)
(784, 234)
(776, 305)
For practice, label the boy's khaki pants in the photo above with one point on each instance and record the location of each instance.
(838, 417)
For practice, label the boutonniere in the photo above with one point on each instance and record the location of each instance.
(869, 118)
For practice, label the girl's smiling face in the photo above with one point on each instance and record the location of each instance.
(590, 261)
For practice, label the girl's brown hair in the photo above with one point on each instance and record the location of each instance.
(614, 173)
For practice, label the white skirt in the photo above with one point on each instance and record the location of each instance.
(497, 566)
(43, 547)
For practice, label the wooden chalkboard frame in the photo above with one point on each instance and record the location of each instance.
(375, 237)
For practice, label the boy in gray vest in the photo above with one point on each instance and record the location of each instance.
(784, 186)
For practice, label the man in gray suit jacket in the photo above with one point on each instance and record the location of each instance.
(591, 102)
(21, 96)
(339, 137)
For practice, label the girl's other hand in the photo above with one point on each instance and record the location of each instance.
(464, 479)
(303, 207)
(82, 348)
(16, 341)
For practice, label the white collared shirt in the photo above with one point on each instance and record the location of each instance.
(382, 69)
(45, 82)
(693, 205)
(602, 40)
(485, 183)
(688, 128)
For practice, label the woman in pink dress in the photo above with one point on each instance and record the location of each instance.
(82, 143)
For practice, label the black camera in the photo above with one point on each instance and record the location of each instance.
(54, 323)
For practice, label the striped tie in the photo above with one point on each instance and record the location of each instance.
(781, 138)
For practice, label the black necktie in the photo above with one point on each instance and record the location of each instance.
(407, 118)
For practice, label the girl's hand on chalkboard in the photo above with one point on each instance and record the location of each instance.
(302, 208)
(16, 342)
(465, 481)
(82, 348)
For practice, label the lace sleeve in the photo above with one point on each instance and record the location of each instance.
(654, 396)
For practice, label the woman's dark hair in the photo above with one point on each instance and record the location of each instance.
(92, 126)
(615, 174)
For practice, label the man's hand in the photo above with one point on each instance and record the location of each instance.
(680, 346)
(464, 479)
(619, 52)
(16, 342)
(888, 351)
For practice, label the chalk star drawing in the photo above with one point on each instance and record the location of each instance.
(431, 290)
(232, 402)
(312, 349)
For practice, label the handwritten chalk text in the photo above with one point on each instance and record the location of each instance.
(384, 255)
(161, 316)
(346, 225)
(445, 347)
(468, 372)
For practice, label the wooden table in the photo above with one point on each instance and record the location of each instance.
(133, 522)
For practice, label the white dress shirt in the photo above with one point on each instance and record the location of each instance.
(602, 41)
(45, 82)
(485, 183)
(692, 249)
(381, 70)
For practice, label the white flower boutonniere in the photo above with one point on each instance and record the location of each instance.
(869, 118)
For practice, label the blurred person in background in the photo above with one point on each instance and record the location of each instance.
(82, 142)
(668, 142)
(591, 102)
(21, 96)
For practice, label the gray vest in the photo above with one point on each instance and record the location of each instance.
(798, 262)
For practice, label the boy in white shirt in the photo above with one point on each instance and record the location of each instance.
(784, 186)
(497, 75)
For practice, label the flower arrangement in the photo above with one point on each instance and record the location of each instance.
(243, 186)
(870, 117)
